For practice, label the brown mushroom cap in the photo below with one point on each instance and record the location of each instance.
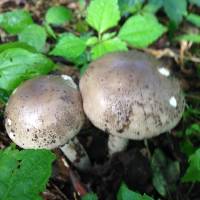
(44, 112)
(131, 95)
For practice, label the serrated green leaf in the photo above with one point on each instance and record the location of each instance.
(69, 46)
(189, 37)
(197, 2)
(16, 181)
(193, 130)
(83, 69)
(125, 193)
(21, 45)
(3, 96)
(191, 112)
(141, 30)
(92, 41)
(130, 6)
(82, 26)
(153, 6)
(165, 172)
(193, 172)
(175, 10)
(81, 60)
(108, 46)
(103, 14)
(194, 19)
(49, 30)
(17, 65)
(90, 196)
(14, 22)
(107, 36)
(187, 147)
(58, 15)
(34, 35)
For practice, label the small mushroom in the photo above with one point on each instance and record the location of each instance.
(46, 112)
(131, 95)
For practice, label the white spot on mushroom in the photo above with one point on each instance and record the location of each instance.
(9, 122)
(173, 102)
(164, 71)
(70, 80)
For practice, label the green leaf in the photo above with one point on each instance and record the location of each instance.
(165, 172)
(107, 36)
(191, 112)
(92, 41)
(90, 196)
(83, 69)
(193, 172)
(108, 46)
(3, 96)
(130, 6)
(49, 30)
(189, 37)
(193, 130)
(82, 26)
(125, 193)
(17, 65)
(34, 35)
(80, 60)
(16, 181)
(194, 19)
(141, 30)
(175, 10)
(153, 6)
(103, 14)
(58, 15)
(187, 147)
(14, 22)
(22, 45)
(197, 2)
(69, 46)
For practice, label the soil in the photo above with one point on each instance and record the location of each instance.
(131, 166)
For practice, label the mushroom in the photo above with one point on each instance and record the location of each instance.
(46, 112)
(131, 95)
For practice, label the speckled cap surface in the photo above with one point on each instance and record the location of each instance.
(44, 112)
(131, 95)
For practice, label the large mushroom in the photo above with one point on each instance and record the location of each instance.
(131, 95)
(46, 112)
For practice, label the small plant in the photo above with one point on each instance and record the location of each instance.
(124, 193)
(139, 30)
(24, 174)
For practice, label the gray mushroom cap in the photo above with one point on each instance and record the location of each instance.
(44, 112)
(131, 95)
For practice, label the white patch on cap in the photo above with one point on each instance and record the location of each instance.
(173, 102)
(164, 71)
(65, 77)
(9, 122)
(70, 80)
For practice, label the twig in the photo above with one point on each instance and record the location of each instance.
(78, 186)
(190, 189)
(60, 192)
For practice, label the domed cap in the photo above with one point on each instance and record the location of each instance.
(44, 112)
(131, 95)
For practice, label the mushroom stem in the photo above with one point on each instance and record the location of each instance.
(116, 144)
(76, 153)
